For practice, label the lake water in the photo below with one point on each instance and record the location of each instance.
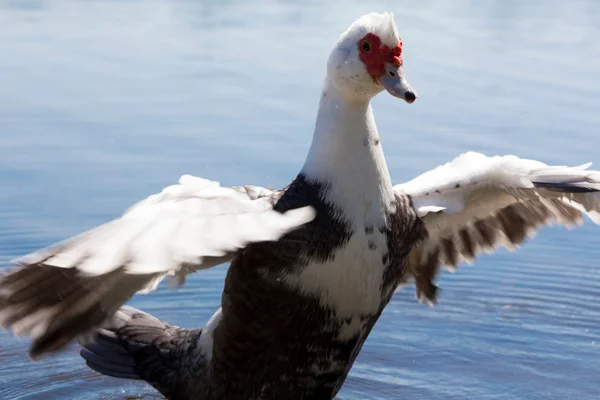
(105, 102)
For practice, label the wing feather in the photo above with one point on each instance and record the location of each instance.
(477, 203)
(73, 286)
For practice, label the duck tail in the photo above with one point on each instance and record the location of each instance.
(135, 345)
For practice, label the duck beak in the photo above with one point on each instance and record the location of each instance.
(394, 81)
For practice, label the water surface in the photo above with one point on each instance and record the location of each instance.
(105, 102)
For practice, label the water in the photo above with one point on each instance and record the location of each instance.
(105, 102)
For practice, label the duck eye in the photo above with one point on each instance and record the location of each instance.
(365, 46)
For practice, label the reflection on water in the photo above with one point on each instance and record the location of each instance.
(105, 102)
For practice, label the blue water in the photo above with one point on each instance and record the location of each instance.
(105, 102)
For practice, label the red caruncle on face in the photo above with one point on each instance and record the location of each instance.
(375, 55)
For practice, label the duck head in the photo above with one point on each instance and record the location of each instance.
(367, 59)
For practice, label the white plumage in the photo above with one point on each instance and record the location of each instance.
(186, 227)
(476, 203)
(455, 186)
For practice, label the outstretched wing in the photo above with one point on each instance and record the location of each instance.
(66, 289)
(477, 203)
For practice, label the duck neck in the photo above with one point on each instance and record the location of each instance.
(346, 155)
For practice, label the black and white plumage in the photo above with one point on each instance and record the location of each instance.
(477, 203)
(312, 265)
(135, 345)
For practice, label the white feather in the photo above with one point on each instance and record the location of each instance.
(184, 224)
(206, 340)
(476, 203)
(476, 185)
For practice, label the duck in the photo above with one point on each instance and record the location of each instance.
(311, 266)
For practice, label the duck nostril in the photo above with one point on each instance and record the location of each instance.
(391, 73)
(410, 96)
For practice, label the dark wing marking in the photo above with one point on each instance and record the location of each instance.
(477, 203)
(66, 289)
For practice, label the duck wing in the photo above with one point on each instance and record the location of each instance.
(477, 203)
(71, 287)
